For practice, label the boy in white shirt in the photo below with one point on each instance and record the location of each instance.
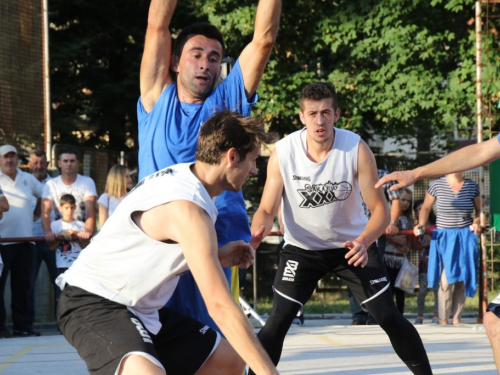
(67, 250)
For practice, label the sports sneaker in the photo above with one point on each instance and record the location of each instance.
(4, 334)
(435, 320)
(419, 320)
(25, 333)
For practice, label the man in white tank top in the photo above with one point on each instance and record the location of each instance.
(320, 176)
(111, 305)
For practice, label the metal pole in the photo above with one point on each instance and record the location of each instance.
(483, 290)
(46, 84)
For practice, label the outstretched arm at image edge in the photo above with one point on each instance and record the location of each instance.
(462, 160)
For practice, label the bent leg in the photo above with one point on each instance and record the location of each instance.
(224, 360)
(492, 326)
(137, 364)
(403, 336)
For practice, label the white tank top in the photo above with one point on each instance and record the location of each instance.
(321, 205)
(125, 265)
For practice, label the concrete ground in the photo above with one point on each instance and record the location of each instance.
(320, 346)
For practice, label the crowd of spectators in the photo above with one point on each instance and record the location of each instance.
(31, 206)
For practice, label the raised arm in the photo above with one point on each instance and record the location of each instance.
(376, 203)
(155, 75)
(200, 251)
(462, 160)
(263, 218)
(254, 57)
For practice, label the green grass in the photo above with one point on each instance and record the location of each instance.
(338, 303)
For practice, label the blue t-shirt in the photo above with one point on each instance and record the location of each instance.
(168, 135)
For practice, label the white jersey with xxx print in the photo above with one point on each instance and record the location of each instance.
(321, 205)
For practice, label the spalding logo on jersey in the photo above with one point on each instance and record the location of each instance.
(318, 195)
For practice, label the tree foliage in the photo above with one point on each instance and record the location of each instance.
(402, 68)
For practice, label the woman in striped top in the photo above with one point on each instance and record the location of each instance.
(453, 255)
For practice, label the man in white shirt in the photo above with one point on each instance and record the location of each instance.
(38, 166)
(19, 187)
(69, 182)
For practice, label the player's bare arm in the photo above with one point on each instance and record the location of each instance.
(254, 57)
(154, 75)
(263, 218)
(462, 160)
(194, 231)
(376, 203)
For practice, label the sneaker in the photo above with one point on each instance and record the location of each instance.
(25, 333)
(297, 322)
(4, 334)
(435, 320)
(419, 320)
(371, 322)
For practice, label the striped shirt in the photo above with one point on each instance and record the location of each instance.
(389, 195)
(453, 210)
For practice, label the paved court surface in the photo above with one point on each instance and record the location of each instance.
(326, 346)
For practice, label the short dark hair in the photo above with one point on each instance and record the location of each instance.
(198, 28)
(67, 199)
(226, 130)
(39, 153)
(318, 91)
(68, 151)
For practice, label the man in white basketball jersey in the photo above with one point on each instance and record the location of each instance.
(112, 302)
(321, 175)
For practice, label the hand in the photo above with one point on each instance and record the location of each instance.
(236, 253)
(415, 230)
(50, 237)
(358, 255)
(65, 234)
(84, 235)
(404, 179)
(257, 237)
(476, 228)
(392, 230)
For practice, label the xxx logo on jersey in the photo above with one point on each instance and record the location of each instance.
(318, 195)
(289, 271)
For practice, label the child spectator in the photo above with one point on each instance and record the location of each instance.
(422, 244)
(397, 247)
(118, 184)
(67, 250)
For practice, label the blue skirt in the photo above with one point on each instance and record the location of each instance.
(457, 251)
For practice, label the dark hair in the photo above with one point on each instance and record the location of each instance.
(67, 199)
(225, 130)
(432, 215)
(198, 28)
(39, 153)
(68, 151)
(318, 91)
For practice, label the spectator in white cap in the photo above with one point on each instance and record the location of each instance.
(19, 188)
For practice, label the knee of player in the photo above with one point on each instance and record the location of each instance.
(491, 324)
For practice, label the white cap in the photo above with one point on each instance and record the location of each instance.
(5, 149)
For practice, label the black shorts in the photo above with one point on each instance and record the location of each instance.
(300, 270)
(494, 306)
(104, 332)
